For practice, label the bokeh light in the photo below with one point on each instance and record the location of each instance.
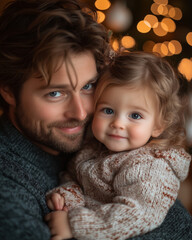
(102, 4)
(100, 16)
(128, 42)
(169, 23)
(185, 68)
(160, 29)
(143, 26)
(189, 38)
(151, 19)
(175, 47)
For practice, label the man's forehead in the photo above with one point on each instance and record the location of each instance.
(76, 71)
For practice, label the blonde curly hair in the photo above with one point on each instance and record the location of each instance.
(138, 69)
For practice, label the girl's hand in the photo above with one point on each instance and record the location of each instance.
(55, 201)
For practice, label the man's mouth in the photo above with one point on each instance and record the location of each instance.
(71, 130)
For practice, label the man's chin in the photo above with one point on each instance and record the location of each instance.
(67, 145)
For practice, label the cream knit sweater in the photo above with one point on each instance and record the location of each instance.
(123, 194)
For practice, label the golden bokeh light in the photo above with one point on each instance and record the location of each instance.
(169, 23)
(128, 42)
(154, 8)
(175, 47)
(160, 29)
(164, 49)
(185, 68)
(162, 9)
(100, 16)
(165, 2)
(102, 4)
(166, 43)
(151, 19)
(175, 13)
(189, 38)
(157, 49)
(143, 26)
(115, 45)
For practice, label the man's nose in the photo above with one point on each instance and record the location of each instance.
(76, 109)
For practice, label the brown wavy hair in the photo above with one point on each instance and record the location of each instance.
(36, 36)
(138, 69)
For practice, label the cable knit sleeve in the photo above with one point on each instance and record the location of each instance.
(70, 191)
(144, 188)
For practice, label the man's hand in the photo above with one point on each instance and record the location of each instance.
(59, 225)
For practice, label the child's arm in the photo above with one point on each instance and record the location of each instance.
(66, 196)
(143, 193)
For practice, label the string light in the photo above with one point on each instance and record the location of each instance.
(185, 68)
(161, 21)
(175, 47)
(169, 23)
(151, 19)
(160, 29)
(115, 45)
(175, 13)
(100, 16)
(165, 2)
(189, 38)
(102, 4)
(128, 42)
(143, 26)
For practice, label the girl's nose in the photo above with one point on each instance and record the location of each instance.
(117, 123)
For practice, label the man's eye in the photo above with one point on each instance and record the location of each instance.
(108, 111)
(135, 116)
(54, 94)
(88, 86)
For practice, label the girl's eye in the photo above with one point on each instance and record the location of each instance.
(135, 116)
(108, 111)
(54, 94)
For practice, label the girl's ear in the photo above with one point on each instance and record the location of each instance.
(7, 95)
(157, 131)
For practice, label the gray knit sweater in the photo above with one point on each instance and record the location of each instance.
(27, 173)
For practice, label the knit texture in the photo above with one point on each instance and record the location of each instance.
(26, 173)
(125, 194)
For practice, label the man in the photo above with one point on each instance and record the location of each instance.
(51, 53)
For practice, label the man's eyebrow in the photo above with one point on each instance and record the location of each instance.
(65, 86)
(94, 79)
(53, 86)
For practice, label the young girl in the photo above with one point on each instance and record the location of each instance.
(131, 178)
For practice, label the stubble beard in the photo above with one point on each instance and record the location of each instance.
(48, 135)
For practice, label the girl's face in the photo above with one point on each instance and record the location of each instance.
(126, 118)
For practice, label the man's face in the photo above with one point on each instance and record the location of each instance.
(54, 116)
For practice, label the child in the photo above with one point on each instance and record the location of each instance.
(130, 180)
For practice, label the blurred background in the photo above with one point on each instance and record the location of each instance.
(161, 26)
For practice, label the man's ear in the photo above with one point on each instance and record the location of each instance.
(7, 95)
(157, 131)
